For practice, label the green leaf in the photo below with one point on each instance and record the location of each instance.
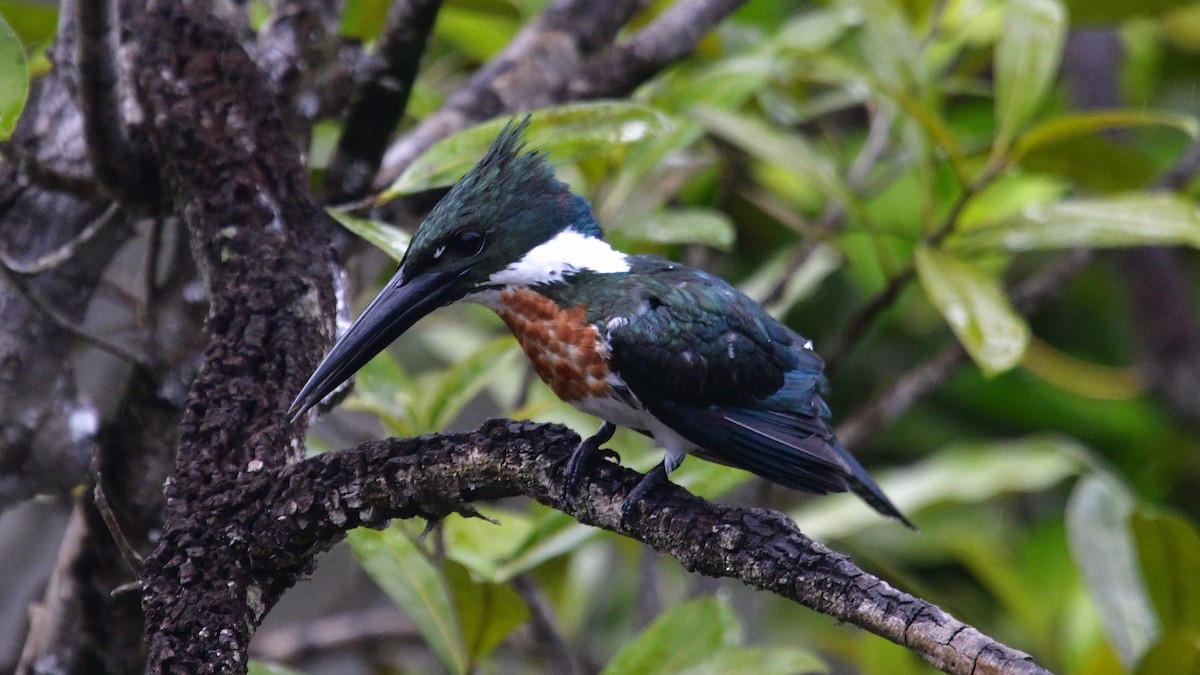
(481, 546)
(14, 79)
(975, 307)
(1112, 12)
(32, 21)
(567, 133)
(1081, 124)
(775, 145)
(682, 637)
(1177, 653)
(384, 389)
(463, 380)
(364, 19)
(1102, 544)
(481, 34)
(488, 613)
(759, 661)
(1168, 548)
(1007, 196)
(1133, 220)
(726, 84)
(1027, 59)
(260, 667)
(890, 45)
(708, 227)
(964, 473)
(708, 479)
(819, 30)
(554, 535)
(405, 573)
(387, 238)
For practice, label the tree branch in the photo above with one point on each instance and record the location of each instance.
(246, 516)
(242, 548)
(540, 59)
(296, 42)
(258, 237)
(103, 96)
(670, 37)
(918, 382)
(382, 101)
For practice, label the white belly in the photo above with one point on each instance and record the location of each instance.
(619, 412)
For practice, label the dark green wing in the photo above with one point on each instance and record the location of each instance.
(689, 337)
(712, 365)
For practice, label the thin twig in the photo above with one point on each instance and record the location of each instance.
(51, 313)
(288, 644)
(537, 62)
(382, 101)
(861, 322)
(56, 257)
(104, 508)
(101, 100)
(37, 172)
(671, 36)
(918, 382)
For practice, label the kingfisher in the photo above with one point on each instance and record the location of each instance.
(638, 341)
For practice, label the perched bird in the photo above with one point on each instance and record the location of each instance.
(636, 340)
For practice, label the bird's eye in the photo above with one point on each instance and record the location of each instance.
(466, 244)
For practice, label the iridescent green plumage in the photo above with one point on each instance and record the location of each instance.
(688, 359)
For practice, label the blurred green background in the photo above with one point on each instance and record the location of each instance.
(882, 174)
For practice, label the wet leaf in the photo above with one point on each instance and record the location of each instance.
(708, 227)
(681, 637)
(14, 79)
(566, 133)
(976, 308)
(1103, 547)
(1133, 220)
(405, 573)
(387, 238)
(1027, 59)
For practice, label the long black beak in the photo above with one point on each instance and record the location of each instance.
(401, 304)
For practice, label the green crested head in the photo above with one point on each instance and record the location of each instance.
(505, 206)
(508, 222)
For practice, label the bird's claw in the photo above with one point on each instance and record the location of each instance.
(652, 478)
(579, 457)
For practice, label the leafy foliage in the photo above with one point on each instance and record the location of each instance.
(14, 79)
(818, 156)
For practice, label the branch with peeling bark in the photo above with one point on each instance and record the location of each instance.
(538, 60)
(278, 521)
(246, 517)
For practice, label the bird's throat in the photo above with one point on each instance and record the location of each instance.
(566, 350)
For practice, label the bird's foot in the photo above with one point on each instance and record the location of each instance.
(582, 453)
(652, 478)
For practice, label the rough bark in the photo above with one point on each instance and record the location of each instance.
(241, 549)
(242, 516)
